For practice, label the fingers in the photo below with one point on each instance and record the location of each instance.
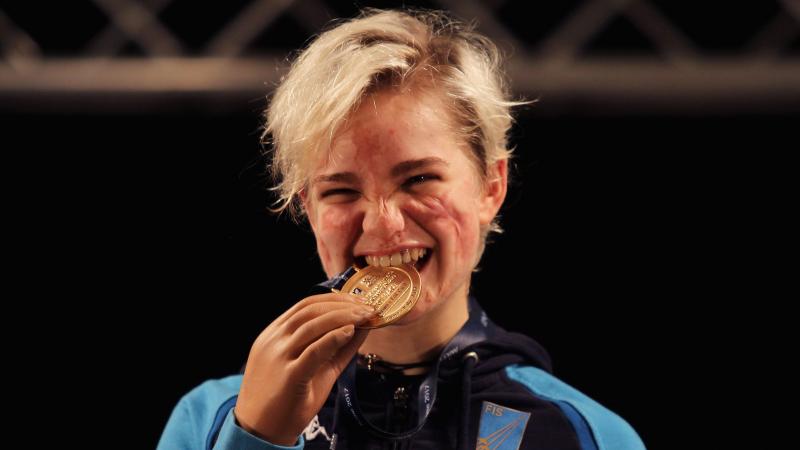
(346, 352)
(318, 309)
(323, 350)
(304, 303)
(317, 327)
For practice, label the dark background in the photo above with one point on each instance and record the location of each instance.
(633, 235)
(625, 254)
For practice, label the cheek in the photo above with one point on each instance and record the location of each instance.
(451, 218)
(452, 221)
(333, 221)
(335, 231)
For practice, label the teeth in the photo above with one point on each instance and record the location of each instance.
(396, 259)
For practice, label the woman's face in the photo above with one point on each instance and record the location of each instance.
(397, 180)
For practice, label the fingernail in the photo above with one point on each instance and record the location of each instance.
(367, 311)
(354, 298)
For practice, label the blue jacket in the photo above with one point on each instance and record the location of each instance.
(508, 399)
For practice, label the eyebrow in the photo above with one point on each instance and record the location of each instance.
(414, 164)
(397, 171)
(340, 177)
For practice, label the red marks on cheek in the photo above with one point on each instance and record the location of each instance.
(438, 212)
(332, 220)
(335, 228)
(444, 208)
(460, 218)
(335, 233)
(434, 204)
(341, 225)
(424, 210)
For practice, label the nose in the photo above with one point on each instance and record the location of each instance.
(383, 219)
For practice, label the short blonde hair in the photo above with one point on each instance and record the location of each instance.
(379, 50)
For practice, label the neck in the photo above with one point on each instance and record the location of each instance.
(424, 338)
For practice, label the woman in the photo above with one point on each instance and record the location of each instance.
(389, 136)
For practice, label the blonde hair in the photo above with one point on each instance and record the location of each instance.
(378, 50)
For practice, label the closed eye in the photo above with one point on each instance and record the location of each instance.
(339, 191)
(419, 179)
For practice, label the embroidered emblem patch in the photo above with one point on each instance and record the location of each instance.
(501, 428)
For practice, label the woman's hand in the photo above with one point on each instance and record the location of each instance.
(295, 361)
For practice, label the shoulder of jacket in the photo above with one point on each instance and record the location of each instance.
(608, 430)
(207, 401)
(212, 393)
(198, 413)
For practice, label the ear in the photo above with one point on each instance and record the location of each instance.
(494, 191)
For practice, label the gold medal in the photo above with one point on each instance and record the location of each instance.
(392, 291)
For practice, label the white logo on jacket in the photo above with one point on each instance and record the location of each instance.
(314, 429)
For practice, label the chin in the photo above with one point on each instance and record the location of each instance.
(408, 319)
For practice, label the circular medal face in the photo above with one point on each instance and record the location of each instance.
(392, 291)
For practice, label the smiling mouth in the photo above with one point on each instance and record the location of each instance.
(418, 257)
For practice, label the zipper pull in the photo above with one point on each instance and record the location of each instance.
(370, 360)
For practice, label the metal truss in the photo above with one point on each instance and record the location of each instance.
(680, 78)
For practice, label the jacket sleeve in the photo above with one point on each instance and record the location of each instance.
(203, 420)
